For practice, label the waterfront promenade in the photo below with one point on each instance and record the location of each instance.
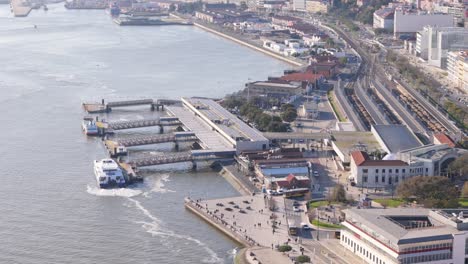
(249, 221)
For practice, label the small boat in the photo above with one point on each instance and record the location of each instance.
(89, 126)
(108, 174)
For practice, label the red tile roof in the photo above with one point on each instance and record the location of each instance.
(384, 163)
(362, 159)
(302, 77)
(444, 139)
(290, 178)
(359, 157)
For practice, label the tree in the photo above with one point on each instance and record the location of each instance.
(289, 115)
(464, 192)
(289, 112)
(303, 259)
(330, 42)
(285, 107)
(232, 102)
(431, 191)
(263, 120)
(284, 248)
(460, 166)
(338, 194)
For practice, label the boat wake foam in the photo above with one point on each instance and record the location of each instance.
(120, 192)
(158, 186)
(154, 228)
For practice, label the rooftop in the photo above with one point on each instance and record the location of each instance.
(276, 84)
(397, 226)
(302, 77)
(444, 139)
(362, 159)
(224, 120)
(396, 137)
(385, 13)
(348, 141)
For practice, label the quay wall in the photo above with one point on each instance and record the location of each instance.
(238, 185)
(190, 206)
(272, 54)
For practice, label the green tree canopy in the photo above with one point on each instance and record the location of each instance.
(338, 194)
(460, 166)
(289, 115)
(431, 191)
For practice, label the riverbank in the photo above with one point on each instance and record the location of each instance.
(202, 211)
(244, 43)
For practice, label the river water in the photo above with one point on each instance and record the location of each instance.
(50, 208)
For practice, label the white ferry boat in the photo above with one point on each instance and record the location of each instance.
(89, 126)
(108, 174)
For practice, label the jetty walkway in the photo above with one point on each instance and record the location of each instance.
(109, 127)
(106, 107)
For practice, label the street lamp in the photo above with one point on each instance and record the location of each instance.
(318, 223)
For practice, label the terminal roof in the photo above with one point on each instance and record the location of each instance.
(397, 137)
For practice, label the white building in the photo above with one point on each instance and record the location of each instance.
(407, 235)
(405, 22)
(422, 43)
(434, 43)
(383, 18)
(299, 5)
(370, 173)
(457, 68)
(310, 110)
(429, 160)
(313, 40)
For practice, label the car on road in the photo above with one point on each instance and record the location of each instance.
(316, 174)
(305, 226)
(296, 203)
(296, 209)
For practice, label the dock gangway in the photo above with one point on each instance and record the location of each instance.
(155, 139)
(129, 103)
(175, 157)
(120, 125)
